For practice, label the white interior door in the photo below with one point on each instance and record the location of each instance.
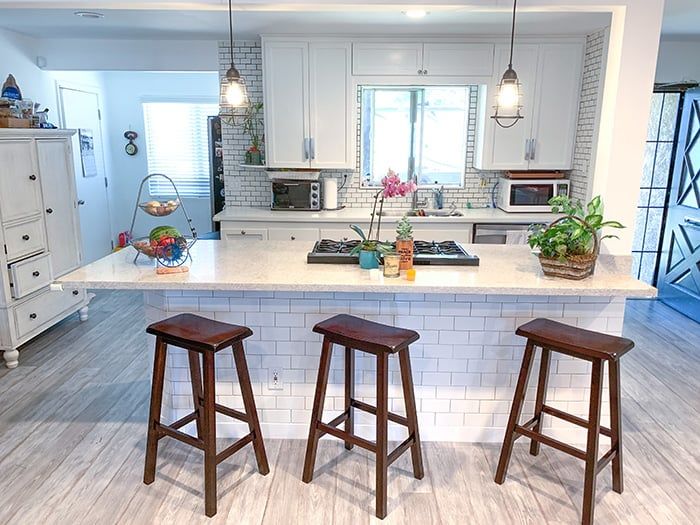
(80, 110)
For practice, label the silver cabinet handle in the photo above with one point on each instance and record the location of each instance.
(306, 149)
(533, 148)
(527, 149)
(695, 223)
(312, 148)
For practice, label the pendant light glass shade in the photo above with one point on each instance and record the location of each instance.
(508, 91)
(233, 92)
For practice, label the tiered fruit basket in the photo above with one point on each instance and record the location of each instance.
(170, 250)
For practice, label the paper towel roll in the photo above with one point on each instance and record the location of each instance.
(330, 194)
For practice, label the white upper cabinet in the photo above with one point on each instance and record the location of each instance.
(458, 59)
(20, 191)
(550, 75)
(60, 204)
(416, 58)
(382, 58)
(308, 104)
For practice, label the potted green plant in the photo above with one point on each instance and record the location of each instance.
(404, 243)
(369, 250)
(252, 126)
(569, 246)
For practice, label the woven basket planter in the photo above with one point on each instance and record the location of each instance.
(575, 268)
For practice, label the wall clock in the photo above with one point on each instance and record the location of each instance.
(131, 148)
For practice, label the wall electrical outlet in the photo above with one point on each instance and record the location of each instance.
(275, 379)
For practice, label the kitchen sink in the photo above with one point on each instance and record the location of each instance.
(422, 213)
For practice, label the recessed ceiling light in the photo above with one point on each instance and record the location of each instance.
(88, 14)
(415, 13)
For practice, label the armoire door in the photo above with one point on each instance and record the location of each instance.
(679, 269)
(20, 193)
(60, 203)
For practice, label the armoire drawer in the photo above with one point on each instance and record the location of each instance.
(24, 239)
(30, 275)
(43, 308)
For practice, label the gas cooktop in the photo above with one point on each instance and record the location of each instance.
(447, 253)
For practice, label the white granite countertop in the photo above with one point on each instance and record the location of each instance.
(350, 215)
(281, 266)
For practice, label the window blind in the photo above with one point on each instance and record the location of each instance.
(177, 145)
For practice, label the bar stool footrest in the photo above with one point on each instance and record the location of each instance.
(546, 440)
(167, 430)
(395, 418)
(546, 409)
(235, 447)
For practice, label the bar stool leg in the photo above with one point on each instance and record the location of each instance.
(249, 404)
(317, 411)
(592, 443)
(209, 435)
(349, 392)
(382, 439)
(516, 409)
(411, 413)
(616, 425)
(196, 380)
(541, 396)
(149, 474)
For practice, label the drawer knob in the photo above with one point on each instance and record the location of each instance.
(36, 273)
(32, 177)
(49, 210)
(294, 238)
(25, 237)
(75, 292)
(32, 316)
(242, 232)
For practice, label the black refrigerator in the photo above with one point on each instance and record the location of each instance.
(216, 167)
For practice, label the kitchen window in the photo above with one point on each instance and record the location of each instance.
(177, 146)
(421, 130)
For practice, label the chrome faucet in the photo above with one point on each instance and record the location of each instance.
(415, 203)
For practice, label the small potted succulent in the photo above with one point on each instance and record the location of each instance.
(568, 247)
(404, 243)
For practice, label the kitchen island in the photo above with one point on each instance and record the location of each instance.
(465, 363)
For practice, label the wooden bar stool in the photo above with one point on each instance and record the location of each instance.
(382, 341)
(597, 348)
(205, 337)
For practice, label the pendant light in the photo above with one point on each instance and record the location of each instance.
(233, 90)
(508, 95)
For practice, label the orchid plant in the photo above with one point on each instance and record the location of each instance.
(392, 186)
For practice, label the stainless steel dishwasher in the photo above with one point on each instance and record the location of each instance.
(500, 233)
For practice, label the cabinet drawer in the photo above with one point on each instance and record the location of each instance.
(37, 311)
(293, 234)
(387, 58)
(258, 234)
(30, 275)
(25, 238)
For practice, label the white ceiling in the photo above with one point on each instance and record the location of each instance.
(681, 18)
(208, 24)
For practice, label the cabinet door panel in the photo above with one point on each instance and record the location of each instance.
(330, 104)
(387, 58)
(556, 107)
(239, 234)
(20, 194)
(285, 81)
(293, 234)
(458, 59)
(60, 204)
(504, 149)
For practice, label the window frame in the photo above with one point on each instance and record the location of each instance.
(393, 83)
(213, 100)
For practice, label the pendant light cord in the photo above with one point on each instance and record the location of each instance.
(512, 34)
(230, 32)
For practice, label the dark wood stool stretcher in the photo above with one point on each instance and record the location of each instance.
(382, 341)
(597, 348)
(202, 337)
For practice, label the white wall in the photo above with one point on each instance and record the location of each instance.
(123, 97)
(679, 60)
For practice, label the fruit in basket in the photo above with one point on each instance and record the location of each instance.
(163, 232)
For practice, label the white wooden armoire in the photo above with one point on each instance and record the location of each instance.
(39, 233)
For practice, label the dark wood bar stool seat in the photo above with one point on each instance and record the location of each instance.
(381, 340)
(597, 348)
(202, 337)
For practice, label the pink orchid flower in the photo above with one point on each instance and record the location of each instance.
(393, 187)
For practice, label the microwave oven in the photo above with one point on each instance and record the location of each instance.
(529, 195)
(300, 195)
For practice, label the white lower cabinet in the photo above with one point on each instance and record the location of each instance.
(240, 232)
(40, 234)
(293, 234)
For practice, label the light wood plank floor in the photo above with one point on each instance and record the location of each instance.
(72, 436)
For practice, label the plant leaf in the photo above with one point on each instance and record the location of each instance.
(358, 231)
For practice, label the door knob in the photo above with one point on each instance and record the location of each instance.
(81, 202)
(49, 210)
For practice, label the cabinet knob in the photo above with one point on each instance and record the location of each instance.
(32, 316)
(81, 202)
(425, 71)
(75, 292)
(36, 273)
(420, 71)
(32, 177)
(25, 237)
(49, 210)
(242, 232)
(294, 238)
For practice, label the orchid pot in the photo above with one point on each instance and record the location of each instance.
(369, 259)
